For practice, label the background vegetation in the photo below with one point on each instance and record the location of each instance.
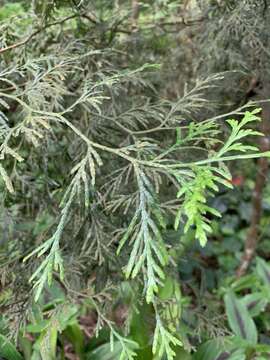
(134, 151)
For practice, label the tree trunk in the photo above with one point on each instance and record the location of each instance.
(261, 177)
(135, 15)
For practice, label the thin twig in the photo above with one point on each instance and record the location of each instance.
(31, 36)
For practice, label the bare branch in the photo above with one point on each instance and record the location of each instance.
(31, 36)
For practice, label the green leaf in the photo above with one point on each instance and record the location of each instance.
(104, 352)
(238, 354)
(239, 319)
(38, 327)
(245, 282)
(76, 337)
(263, 348)
(211, 350)
(255, 303)
(167, 290)
(27, 347)
(263, 270)
(8, 350)
(48, 340)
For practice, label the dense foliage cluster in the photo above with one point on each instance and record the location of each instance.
(118, 125)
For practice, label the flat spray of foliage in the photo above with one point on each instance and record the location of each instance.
(88, 146)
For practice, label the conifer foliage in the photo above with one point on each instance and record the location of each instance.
(96, 166)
